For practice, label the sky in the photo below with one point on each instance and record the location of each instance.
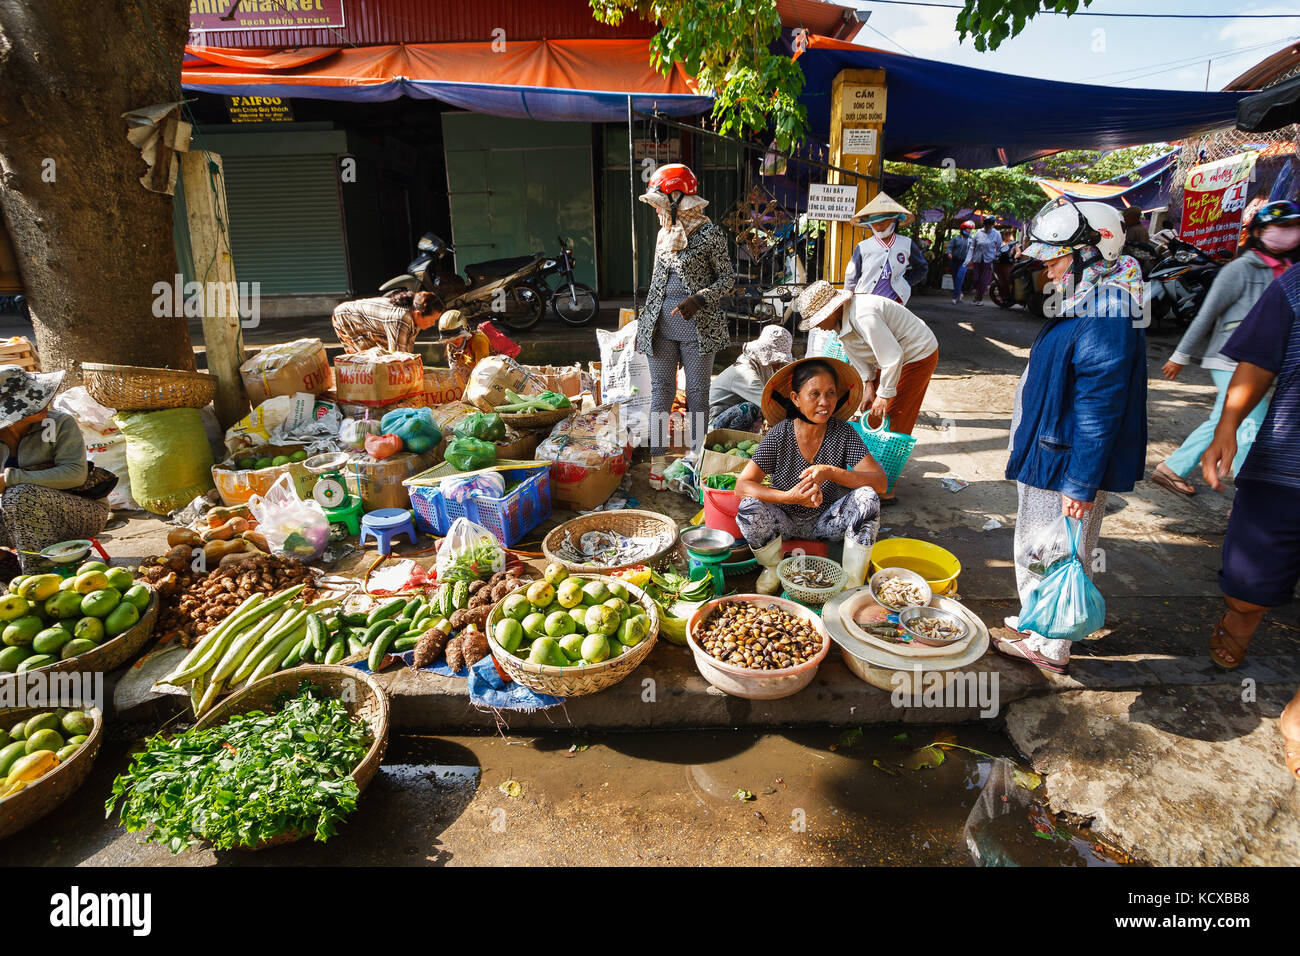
(1135, 53)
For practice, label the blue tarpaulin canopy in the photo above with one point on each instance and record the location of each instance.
(978, 118)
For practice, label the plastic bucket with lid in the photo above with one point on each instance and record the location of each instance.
(938, 566)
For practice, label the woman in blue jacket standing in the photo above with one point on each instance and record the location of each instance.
(1079, 427)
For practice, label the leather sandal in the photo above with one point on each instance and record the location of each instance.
(1291, 749)
(1226, 649)
(1179, 486)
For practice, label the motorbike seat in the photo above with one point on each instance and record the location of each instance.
(496, 268)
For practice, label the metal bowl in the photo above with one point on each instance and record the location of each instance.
(885, 574)
(911, 615)
(708, 541)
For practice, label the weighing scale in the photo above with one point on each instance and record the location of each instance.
(707, 550)
(331, 493)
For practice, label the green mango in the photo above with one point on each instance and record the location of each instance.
(10, 754)
(545, 650)
(35, 661)
(102, 602)
(120, 578)
(11, 657)
(64, 604)
(139, 595)
(19, 632)
(77, 646)
(571, 645)
(123, 618)
(92, 566)
(90, 629)
(50, 640)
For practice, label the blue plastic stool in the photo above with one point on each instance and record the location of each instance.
(384, 525)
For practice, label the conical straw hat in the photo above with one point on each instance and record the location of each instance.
(881, 204)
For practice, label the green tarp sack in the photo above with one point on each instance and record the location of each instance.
(168, 456)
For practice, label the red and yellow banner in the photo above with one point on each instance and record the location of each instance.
(221, 16)
(1214, 197)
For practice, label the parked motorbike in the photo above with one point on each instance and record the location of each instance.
(1180, 280)
(1022, 284)
(572, 302)
(503, 290)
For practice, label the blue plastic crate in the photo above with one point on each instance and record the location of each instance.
(509, 518)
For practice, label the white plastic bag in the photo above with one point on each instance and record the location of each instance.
(1047, 548)
(105, 443)
(291, 526)
(625, 379)
(469, 552)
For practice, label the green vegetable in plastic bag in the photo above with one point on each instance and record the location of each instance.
(485, 426)
(468, 454)
(555, 399)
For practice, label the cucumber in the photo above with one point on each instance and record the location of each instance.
(317, 632)
(354, 646)
(406, 643)
(354, 617)
(310, 655)
(385, 611)
(374, 630)
(412, 606)
(295, 655)
(337, 651)
(380, 648)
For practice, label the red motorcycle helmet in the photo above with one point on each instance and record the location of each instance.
(674, 178)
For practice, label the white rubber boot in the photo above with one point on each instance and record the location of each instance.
(769, 556)
(855, 564)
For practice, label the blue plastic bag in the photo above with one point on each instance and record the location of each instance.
(1065, 605)
(414, 426)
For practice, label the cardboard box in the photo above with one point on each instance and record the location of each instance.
(717, 463)
(441, 386)
(625, 316)
(564, 379)
(520, 445)
(379, 482)
(236, 485)
(582, 487)
(376, 377)
(287, 369)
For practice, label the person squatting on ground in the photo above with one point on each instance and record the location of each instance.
(823, 483)
(737, 390)
(682, 323)
(1079, 423)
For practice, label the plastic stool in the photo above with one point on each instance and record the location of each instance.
(790, 545)
(384, 525)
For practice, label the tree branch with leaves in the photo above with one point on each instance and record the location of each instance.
(992, 21)
(727, 49)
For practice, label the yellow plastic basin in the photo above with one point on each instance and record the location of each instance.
(937, 565)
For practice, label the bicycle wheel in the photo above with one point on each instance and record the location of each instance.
(576, 307)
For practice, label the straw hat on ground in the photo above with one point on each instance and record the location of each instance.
(882, 206)
(847, 380)
(818, 301)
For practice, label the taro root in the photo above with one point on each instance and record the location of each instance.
(474, 645)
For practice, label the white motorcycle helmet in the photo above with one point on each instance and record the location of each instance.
(1064, 225)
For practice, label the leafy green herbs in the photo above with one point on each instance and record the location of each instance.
(253, 778)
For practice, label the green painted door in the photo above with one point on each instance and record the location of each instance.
(515, 186)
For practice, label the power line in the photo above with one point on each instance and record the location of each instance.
(892, 40)
(1137, 73)
(1091, 13)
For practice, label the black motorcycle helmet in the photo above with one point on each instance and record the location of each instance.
(1276, 213)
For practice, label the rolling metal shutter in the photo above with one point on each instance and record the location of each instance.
(286, 227)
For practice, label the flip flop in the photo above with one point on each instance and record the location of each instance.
(1016, 651)
(1226, 649)
(1164, 481)
(886, 502)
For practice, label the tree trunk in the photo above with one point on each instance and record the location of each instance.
(91, 241)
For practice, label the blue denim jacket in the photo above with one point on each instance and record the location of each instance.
(1083, 424)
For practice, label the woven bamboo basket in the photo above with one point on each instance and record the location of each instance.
(526, 420)
(628, 522)
(107, 656)
(579, 679)
(136, 388)
(359, 691)
(38, 799)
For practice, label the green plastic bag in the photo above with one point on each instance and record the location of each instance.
(485, 426)
(469, 454)
(168, 457)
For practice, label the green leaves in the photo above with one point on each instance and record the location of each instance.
(725, 47)
(992, 21)
(253, 778)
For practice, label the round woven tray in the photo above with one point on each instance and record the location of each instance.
(136, 388)
(579, 679)
(107, 656)
(537, 419)
(38, 799)
(629, 522)
(360, 693)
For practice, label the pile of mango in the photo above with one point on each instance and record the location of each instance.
(46, 618)
(32, 748)
(254, 463)
(745, 449)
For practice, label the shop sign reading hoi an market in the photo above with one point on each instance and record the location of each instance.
(223, 16)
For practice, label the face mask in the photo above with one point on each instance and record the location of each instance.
(885, 228)
(1280, 238)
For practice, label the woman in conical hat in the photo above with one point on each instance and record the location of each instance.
(885, 263)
